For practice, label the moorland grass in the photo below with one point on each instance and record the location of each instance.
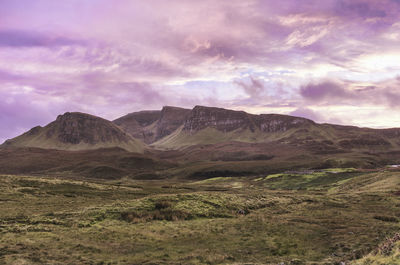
(319, 219)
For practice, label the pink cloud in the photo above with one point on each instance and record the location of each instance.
(114, 57)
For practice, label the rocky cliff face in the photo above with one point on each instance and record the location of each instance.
(74, 128)
(221, 119)
(228, 120)
(138, 119)
(150, 126)
(77, 131)
(279, 123)
(138, 124)
(171, 119)
(240, 126)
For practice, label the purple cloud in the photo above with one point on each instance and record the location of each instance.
(253, 88)
(315, 116)
(384, 94)
(19, 38)
(324, 90)
(109, 58)
(362, 9)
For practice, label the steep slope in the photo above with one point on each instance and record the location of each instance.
(77, 131)
(150, 126)
(209, 125)
(171, 119)
(229, 120)
(137, 124)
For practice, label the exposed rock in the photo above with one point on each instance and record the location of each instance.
(77, 131)
(150, 126)
(138, 124)
(229, 120)
(171, 118)
(74, 128)
(221, 119)
(279, 123)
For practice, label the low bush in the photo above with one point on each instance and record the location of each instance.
(386, 218)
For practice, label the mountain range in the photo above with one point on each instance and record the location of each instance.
(202, 142)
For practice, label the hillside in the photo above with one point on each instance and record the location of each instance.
(150, 126)
(208, 125)
(174, 128)
(77, 131)
(206, 142)
(104, 163)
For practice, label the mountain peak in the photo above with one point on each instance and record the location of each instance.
(172, 108)
(77, 131)
(76, 115)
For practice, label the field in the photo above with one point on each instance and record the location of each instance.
(310, 217)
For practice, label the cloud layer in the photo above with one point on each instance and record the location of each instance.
(333, 60)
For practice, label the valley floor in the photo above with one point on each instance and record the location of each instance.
(324, 217)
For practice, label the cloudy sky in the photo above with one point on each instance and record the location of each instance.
(334, 61)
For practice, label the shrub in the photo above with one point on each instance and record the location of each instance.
(159, 214)
(162, 205)
(386, 218)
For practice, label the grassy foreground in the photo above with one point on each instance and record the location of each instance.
(324, 217)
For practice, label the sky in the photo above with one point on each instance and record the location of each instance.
(335, 61)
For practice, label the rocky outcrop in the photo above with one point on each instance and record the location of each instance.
(221, 119)
(229, 120)
(135, 119)
(279, 123)
(74, 128)
(150, 126)
(171, 119)
(77, 131)
(138, 124)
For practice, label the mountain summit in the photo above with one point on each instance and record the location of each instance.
(77, 131)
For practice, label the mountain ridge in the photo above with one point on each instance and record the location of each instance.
(203, 142)
(175, 128)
